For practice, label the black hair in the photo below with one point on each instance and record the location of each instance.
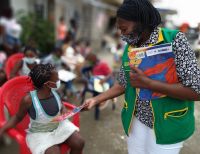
(8, 12)
(141, 11)
(57, 49)
(87, 43)
(40, 74)
(91, 56)
(27, 48)
(73, 23)
(68, 37)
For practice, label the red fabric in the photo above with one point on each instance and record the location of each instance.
(11, 62)
(101, 68)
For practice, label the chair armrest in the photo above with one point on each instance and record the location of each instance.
(13, 133)
(16, 135)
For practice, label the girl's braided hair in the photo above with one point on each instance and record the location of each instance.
(40, 74)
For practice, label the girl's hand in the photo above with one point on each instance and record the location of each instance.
(89, 103)
(138, 79)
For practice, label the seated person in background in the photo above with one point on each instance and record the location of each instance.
(42, 105)
(12, 31)
(55, 59)
(83, 47)
(71, 55)
(97, 69)
(88, 48)
(24, 66)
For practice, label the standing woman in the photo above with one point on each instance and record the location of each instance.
(161, 125)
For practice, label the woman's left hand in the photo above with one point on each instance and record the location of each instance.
(138, 79)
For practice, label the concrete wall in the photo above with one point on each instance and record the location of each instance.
(92, 17)
(29, 6)
(20, 5)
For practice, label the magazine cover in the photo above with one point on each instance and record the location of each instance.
(157, 62)
(68, 114)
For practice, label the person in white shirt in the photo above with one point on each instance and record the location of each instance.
(12, 29)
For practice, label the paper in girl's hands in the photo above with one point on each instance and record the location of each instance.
(68, 114)
(66, 75)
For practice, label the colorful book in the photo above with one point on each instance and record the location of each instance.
(157, 62)
(68, 114)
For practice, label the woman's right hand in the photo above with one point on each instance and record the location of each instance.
(89, 103)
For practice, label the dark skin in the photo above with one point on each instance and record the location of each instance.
(139, 79)
(75, 141)
(18, 66)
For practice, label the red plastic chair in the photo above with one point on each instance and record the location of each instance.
(11, 94)
(11, 61)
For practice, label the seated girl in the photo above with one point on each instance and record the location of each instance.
(43, 105)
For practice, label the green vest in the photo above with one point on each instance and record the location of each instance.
(173, 118)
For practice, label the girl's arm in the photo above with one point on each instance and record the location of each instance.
(13, 121)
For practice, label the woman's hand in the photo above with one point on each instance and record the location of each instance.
(138, 79)
(89, 103)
